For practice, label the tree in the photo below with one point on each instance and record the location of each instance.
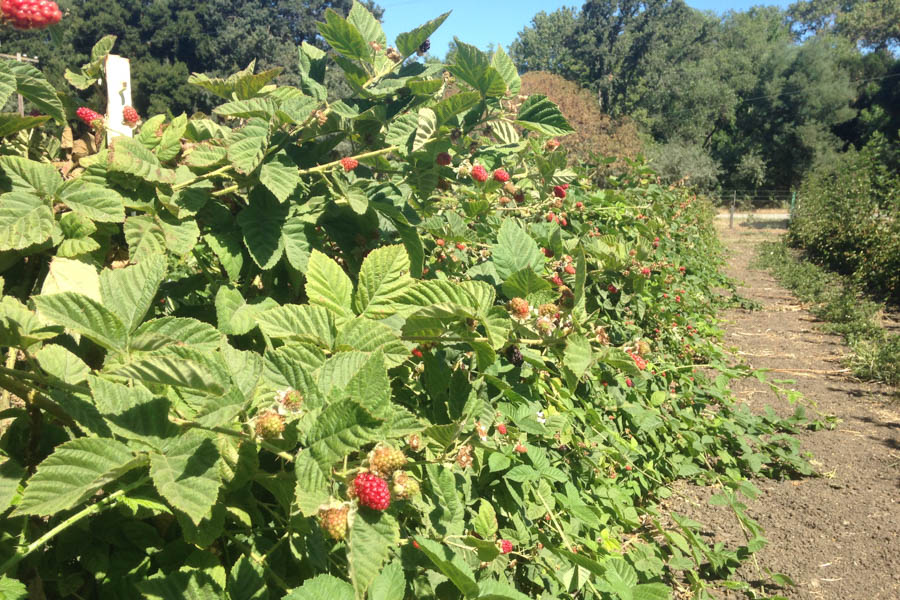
(873, 24)
(168, 40)
(542, 46)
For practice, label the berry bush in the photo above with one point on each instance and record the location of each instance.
(308, 347)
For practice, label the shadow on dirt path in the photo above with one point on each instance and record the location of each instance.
(837, 536)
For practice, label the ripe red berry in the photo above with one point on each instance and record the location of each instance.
(570, 269)
(130, 116)
(547, 252)
(645, 271)
(440, 242)
(627, 467)
(90, 117)
(443, 159)
(372, 491)
(550, 217)
(479, 173)
(30, 14)
(579, 205)
(559, 191)
(562, 222)
(629, 383)
(349, 164)
(520, 307)
(460, 246)
(505, 546)
(520, 448)
(612, 289)
(501, 176)
(501, 428)
(416, 544)
(417, 353)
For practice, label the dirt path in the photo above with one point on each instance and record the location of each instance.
(837, 536)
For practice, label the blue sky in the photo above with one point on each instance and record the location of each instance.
(485, 22)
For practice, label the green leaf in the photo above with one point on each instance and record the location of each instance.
(129, 156)
(246, 580)
(102, 48)
(262, 108)
(129, 291)
(426, 129)
(11, 123)
(11, 589)
(344, 37)
(540, 114)
(299, 323)
(524, 282)
(450, 510)
(97, 203)
(473, 67)
(451, 565)
(384, 277)
(455, 104)
(366, 335)
(205, 155)
(40, 179)
(372, 538)
(32, 84)
(229, 249)
(180, 235)
(73, 473)
(187, 474)
(170, 144)
(408, 43)
(322, 587)
(236, 316)
(390, 583)
(296, 234)
(297, 110)
(402, 130)
(247, 146)
(485, 523)
(357, 199)
(507, 69)
(343, 427)
(85, 316)
(11, 475)
(328, 285)
(7, 84)
(172, 370)
(261, 224)
(651, 591)
(490, 589)
(313, 489)
(25, 220)
(62, 364)
(164, 332)
(367, 25)
(578, 356)
(178, 585)
(132, 412)
(516, 250)
(68, 275)
(280, 176)
(145, 237)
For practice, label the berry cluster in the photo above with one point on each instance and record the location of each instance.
(384, 460)
(30, 14)
(333, 521)
(90, 117)
(130, 116)
(349, 164)
(372, 491)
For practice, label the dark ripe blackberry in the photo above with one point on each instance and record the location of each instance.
(514, 356)
(425, 47)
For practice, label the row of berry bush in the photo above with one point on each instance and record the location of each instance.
(848, 218)
(387, 346)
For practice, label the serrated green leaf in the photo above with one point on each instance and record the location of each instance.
(490, 589)
(261, 225)
(516, 250)
(383, 278)
(85, 316)
(322, 587)
(296, 235)
(95, 202)
(448, 108)
(7, 84)
(524, 282)
(186, 474)
(129, 291)
(170, 144)
(73, 473)
(129, 156)
(178, 585)
(68, 275)
(389, 584)
(11, 589)
(328, 285)
(299, 323)
(171, 370)
(402, 130)
(312, 488)
(25, 220)
(235, 315)
(426, 129)
(451, 565)
(343, 427)
(32, 84)
(447, 516)
(62, 364)
(246, 580)
(344, 37)
(145, 237)
(11, 476)
(280, 176)
(485, 523)
(540, 114)
(157, 334)
(102, 48)
(578, 355)
(473, 66)
(371, 540)
(11, 123)
(229, 249)
(651, 591)
(247, 146)
(262, 108)
(408, 43)
(367, 25)
(507, 69)
(366, 335)
(297, 110)
(131, 411)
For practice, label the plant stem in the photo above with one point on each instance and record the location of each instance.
(335, 163)
(65, 524)
(41, 401)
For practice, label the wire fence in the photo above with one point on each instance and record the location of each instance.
(756, 205)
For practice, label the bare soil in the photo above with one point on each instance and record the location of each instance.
(836, 535)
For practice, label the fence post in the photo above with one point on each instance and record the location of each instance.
(21, 99)
(118, 94)
(793, 204)
(731, 218)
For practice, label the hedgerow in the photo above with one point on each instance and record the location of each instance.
(307, 348)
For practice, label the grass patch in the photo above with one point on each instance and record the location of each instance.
(844, 309)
